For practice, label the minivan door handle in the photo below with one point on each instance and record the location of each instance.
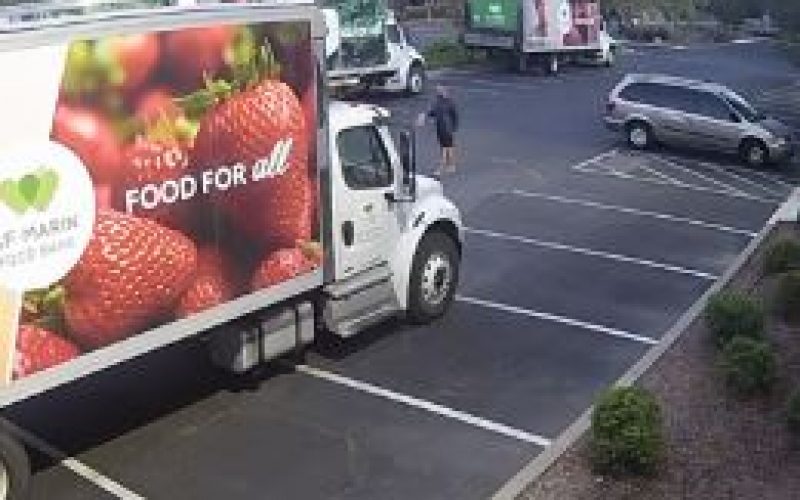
(348, 233)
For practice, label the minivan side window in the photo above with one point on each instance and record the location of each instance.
(655, 94)
(712, 106)
(642, 93)
(365, 163)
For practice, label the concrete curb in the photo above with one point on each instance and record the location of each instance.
(536, 467)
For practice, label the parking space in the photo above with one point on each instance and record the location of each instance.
(575, 264)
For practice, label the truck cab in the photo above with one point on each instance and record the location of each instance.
(395, 237)
(352, 62)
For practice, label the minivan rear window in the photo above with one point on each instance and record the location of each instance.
(643, 93)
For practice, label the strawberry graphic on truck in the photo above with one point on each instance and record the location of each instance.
(194, 180)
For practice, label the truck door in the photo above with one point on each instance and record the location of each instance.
(365, 225)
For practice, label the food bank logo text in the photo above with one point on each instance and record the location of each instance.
(33, 191)
(220, 179)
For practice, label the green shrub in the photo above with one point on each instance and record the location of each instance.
(793, 412)
(626, 435)
(787, 299)
(748, 366)
(782, 256)
(445, 53)
(731, 314)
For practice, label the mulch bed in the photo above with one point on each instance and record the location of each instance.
(718, 447)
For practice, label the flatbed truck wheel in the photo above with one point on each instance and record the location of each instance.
(15, 469)
(416, 80)
(434, 277)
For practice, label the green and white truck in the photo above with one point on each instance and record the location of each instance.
(543, 32)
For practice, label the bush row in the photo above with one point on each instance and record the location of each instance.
(626, 435)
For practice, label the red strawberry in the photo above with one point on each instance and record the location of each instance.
(103, 196)
(91, 136)
(128, 60)
(129, 278)
(276, 211)
(154, 161)
(156, 104)
(39, 349)
(293, 43)
(281, 265)
(216, 282)
(194, 53)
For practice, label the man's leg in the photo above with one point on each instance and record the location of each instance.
(442, 162)
(451, 159)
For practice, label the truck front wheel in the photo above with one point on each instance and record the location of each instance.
(434, 277)
(416, 80)
(15, 470)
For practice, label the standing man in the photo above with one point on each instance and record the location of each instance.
(444, 114)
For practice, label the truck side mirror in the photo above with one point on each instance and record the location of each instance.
(406, 149)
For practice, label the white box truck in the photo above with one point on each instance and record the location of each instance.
(177, 172)
(543, 32)
(368, 49)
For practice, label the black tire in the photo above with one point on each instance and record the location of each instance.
(434, 250)
(14, 460)
(415, 83)
(552, 64)
(754, 153)
(639, 135)
(522, 62)
(609, 59)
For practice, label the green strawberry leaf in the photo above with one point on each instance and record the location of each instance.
(196, 104)
(48, 183)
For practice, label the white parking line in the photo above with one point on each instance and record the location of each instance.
(740, 178)
(79, 468)
(428, 406)
(635, 211)
(593, 253)
(682, 168)
(555, 318)
(656, 173)
(769, 178)
(679, 185)
(596, 159)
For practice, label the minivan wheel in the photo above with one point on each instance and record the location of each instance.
(434, 277)
(754, 153)
(639, 135)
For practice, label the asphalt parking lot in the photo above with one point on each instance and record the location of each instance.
(579, 255)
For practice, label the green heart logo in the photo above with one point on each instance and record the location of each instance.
(35, 190)
(28, 187)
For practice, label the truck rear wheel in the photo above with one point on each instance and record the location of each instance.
(15, 469)
(434, 277)
(552, 64)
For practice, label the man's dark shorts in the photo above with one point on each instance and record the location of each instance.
(445, 139)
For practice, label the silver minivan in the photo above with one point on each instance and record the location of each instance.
(652, 109)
